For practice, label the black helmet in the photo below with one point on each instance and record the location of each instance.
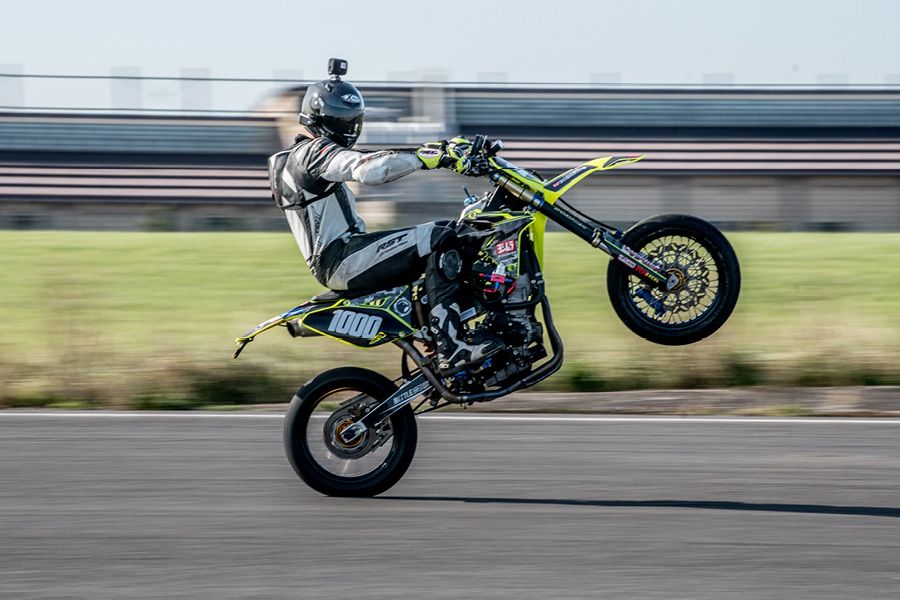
(334, 108)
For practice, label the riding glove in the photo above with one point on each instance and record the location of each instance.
(453, 155)
(431, 154)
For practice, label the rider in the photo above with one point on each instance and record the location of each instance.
(308, 182)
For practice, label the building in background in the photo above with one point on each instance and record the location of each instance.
(774, 158)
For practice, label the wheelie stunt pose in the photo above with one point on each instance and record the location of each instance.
(479, 326)
(308, 182)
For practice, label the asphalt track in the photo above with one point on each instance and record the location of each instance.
(204, 506)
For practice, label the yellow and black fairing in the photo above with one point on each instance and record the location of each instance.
(499, 261)
(363, 321)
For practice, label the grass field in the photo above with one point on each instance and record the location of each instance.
(148, 319)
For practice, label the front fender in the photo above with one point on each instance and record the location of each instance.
(552, 189)
(559, 185)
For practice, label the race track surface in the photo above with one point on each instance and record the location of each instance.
(204, 506)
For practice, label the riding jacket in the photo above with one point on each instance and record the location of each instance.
(308, 182)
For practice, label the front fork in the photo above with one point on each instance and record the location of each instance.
(610, 241)
(643, 266)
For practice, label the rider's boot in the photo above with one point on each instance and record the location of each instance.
(454, 352)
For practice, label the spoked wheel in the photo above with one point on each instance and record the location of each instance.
(323, 408)
(703, 271)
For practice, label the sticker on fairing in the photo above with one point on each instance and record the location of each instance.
(505, 247)
(402, 307)
(568, 176)
(354, 324)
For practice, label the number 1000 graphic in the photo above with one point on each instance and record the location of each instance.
(354, 324)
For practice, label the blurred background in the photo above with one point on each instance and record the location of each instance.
(138, 235)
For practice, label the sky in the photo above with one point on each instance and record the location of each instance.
(645, 41)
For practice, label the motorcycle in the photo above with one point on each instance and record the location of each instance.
(672, 279)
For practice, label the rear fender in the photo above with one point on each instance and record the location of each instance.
(364, 321)
(276, 321)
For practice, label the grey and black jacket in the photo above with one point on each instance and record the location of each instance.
(308, 182)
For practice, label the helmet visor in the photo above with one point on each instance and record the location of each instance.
(345, 128)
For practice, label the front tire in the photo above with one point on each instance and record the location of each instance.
(705, 263)
(322, 408)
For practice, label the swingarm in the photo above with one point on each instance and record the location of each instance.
(408, 391)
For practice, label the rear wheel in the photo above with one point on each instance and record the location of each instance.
(694, 254)
(327, 405)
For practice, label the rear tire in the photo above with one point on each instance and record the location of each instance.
(711, 284)
(320, 459)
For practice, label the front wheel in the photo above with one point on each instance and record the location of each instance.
(367, 465)
(708, 280)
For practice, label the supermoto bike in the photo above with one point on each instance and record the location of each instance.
(672, 279)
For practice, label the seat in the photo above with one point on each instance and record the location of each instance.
(334, 295)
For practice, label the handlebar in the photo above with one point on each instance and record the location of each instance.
(481, 144)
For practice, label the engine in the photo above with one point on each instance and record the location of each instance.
(502, 284)
(522, 333)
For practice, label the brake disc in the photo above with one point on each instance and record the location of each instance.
(687, 269)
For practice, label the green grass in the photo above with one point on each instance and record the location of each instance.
(148, 319)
